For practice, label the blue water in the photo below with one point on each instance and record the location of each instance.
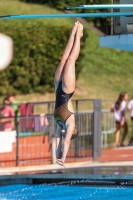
(67, 192)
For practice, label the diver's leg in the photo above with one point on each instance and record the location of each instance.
(117, 134)
(68, 76)
(124, 134)
(66, 53)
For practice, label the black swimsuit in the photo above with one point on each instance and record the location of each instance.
(61, 113)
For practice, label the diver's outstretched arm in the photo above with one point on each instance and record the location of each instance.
(58, 142)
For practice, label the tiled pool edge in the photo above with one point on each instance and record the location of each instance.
(76, 179)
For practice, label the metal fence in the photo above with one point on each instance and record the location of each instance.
(31, 142)
(108, 126)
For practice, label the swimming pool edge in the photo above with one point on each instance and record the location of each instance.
(74, 179)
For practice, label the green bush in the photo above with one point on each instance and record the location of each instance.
(59, 4)
(37, 53)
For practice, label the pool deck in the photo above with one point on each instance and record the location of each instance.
(110, 157)
(76, 173)
(117, 154)
(114, 167)
(88, 168)
(85, 173)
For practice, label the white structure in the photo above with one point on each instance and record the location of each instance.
(6, 51)
(7, 138)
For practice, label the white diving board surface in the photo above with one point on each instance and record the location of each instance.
(123, 42)
(107, 6)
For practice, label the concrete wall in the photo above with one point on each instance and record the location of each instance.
(124, 25)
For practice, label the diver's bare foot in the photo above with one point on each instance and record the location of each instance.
(75, 27)
(80, 29)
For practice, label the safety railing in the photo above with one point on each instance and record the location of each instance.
(108, 126)
(31, 143)
(33, 146)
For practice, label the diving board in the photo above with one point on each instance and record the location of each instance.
(71, 15)
(114, 6)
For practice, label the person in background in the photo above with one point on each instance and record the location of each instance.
(15, 105)
(119, 110)
(130, 108)
(6, 116)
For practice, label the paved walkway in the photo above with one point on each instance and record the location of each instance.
(119, 154)
(54, 167)
(110, 157)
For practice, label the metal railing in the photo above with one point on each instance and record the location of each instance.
(31, 147)
(108, 126)
(33, 141)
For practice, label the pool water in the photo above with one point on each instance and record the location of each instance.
(64, 192)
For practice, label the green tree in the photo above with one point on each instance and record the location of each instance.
(37, 53)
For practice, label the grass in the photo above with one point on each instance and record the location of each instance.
(105, 72)
(14, 7)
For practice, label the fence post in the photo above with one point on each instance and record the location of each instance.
(77, 137)
(53, 150)
(27, 116)
(97, 130)
(76, 105)
(17, 142)
(48, 108)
